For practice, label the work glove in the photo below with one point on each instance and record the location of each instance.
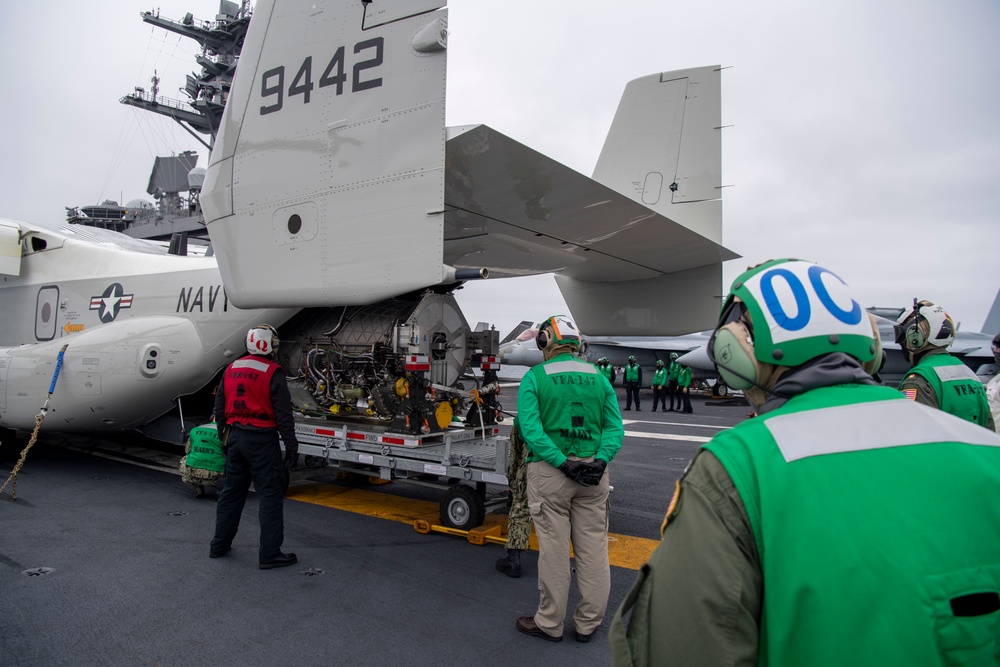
(575, 470)
(291, 457)
(594, 472)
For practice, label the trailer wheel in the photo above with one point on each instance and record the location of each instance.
(462, 508)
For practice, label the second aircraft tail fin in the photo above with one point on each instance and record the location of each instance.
(664, 148)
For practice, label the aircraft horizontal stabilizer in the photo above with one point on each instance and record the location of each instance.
(518, 212)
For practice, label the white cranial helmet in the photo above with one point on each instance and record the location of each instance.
(262, 340)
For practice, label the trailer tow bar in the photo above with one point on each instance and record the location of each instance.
(479, 535)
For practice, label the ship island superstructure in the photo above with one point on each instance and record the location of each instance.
(175, 181)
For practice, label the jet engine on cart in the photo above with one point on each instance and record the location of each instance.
(404, 361)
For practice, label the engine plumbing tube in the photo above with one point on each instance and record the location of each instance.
(451, 274)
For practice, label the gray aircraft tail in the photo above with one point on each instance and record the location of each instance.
(992, 324)
(516, 331)
(664, 148)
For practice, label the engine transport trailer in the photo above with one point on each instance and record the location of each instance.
(461, 460)
(379, 389)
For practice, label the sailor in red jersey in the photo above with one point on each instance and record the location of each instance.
(253, 401)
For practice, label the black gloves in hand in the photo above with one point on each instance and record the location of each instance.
(575, 470)
(595, 471)
(291, 458)
(586, 474)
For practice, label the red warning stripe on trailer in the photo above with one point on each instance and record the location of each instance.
(418, 362)
(490, 363)
(383, 439)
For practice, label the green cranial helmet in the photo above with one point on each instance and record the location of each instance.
(631, 360)
(798, 311)
(659, 363)
(673, 355)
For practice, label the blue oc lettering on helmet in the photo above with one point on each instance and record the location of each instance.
(799, 311)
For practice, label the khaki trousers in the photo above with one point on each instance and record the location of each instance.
(565, 511)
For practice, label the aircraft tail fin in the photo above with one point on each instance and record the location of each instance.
(992, 324)
(328, 167)
(664, 148)
(516, 331)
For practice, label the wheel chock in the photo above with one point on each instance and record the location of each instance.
(480, 535)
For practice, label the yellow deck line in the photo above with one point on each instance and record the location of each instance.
(623, 550)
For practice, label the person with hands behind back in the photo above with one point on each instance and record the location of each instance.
(572, 427)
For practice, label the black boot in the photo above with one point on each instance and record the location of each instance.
(511, 565)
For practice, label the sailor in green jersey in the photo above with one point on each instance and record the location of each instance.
(660, 386)
(673, 372)
(606, 369)
(570, 422)
(863, 515)
(632, 378)
(684, 388)
(204, 462)
(938, 379)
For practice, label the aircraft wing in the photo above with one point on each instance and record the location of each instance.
(972, 348)
(668, 343)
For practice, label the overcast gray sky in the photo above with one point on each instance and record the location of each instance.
(865, 133)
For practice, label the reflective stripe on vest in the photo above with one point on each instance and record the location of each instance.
(888, 424)
(251, 363)
(569, 367)
(950, 373)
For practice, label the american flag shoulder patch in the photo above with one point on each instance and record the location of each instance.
(910, 394)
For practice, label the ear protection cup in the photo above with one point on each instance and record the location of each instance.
(733, 356)
(542, 339)
(914, 336)
(875, 365)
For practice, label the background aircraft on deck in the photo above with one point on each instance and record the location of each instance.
(522, 350)
(974, 348)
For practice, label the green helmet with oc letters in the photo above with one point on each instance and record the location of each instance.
(783, 313)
